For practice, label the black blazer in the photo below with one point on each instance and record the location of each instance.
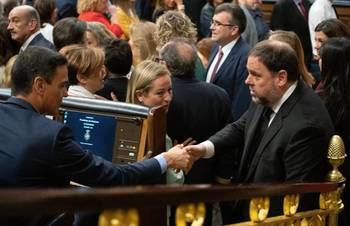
(287, 16)
(199, 110)
(294, 147)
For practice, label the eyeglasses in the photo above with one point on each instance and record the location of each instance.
(217, 23)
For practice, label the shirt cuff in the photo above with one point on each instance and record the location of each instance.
(162, 162)
(209, 148)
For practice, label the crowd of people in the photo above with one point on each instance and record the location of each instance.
(262, 99)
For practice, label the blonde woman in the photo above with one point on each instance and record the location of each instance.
(86, 70)
(150, 85)
(142, 42)
(292, 39)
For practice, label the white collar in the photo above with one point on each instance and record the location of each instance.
(26, 43)
(227, 48)
(80, 91)
(276, 107)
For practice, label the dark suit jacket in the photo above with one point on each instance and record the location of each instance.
(286, 16)
(198, 110)
(39, 152)
(294, 147)
(39, 40)
(231, 76)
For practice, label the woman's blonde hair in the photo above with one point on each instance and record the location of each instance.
(6, 80)
(141, 35)
(142, 77)
(173, 24)
(82, 61)
(87, 5)
(293, 40)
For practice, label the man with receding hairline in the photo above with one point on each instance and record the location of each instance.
(24, 27)
(285, 131)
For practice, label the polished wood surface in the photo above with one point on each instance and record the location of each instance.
(48, 201)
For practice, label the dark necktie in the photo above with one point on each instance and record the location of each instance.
(259, 134)
(302, 9)
(213, 74)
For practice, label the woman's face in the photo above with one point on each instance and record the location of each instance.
(169, 4)
(320, 38)
(160, 92)
(102, 6)
(90, 40)
(95, 82)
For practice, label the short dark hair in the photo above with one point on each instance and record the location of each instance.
(333, 28)
(276, 56)
(45, 9)
(69, 31)
(180, 56)
(237, 15)
(34, 61)
(118, 57)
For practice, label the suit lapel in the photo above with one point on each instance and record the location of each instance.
(273, 129)
(250, 136)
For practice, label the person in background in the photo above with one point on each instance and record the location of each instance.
(24, 27)
(205, 46)
(5, 81)
(69, 31)
(253, 7)
(97, 35)
(48, 16)
(94, 10)
(8, 47)
(118, 62)
(125, 15)
(174, 24)
(293, 40)
(142, 42)
(86, 70)
(163, 6)
(335, 92)
(328, 29)
(66, 8)
(227, 63)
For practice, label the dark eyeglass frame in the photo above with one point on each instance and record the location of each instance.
(218, 23)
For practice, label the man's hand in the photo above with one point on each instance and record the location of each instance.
(196, 151)
(178, 158)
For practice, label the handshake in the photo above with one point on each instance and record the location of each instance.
(182, 156)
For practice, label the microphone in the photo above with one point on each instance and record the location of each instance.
(336, 156)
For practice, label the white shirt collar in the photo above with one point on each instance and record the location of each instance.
(227, 48)
(26, 43)
(80, 91)
(276, 107)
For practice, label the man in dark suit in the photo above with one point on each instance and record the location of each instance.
(24, 27)
(292, 145)
(39, 152)
(198, 110)
(292, 15)
(227, 63)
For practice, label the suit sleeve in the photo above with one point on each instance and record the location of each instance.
(306, 157)
(73, 163)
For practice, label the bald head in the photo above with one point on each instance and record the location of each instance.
(24, 21)
(180, 57)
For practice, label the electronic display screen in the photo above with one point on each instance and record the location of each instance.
(93, 132)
